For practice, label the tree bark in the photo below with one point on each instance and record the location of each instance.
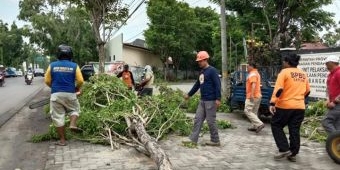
(156, 152)
(101, 58)
(96, 17)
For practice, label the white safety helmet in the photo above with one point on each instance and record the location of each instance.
(332, 58)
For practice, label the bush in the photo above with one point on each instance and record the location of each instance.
(311, 127)
(192, 103)
(316, 109)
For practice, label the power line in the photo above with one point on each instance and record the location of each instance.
(196, 2)
(137, 15)
(139, 5)
(131, 2)
(134, 36)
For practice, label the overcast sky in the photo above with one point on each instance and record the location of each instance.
(9, 9)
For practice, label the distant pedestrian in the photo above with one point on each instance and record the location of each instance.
(127, 77)
(65, 79)
(331, 122)
(147, 83)
(210, 87)
(253, 98)
(287, 106)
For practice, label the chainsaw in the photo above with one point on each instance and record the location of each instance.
(39, 103)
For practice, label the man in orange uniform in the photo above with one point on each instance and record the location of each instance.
(287, 106)
(127, 77)
(253, 98)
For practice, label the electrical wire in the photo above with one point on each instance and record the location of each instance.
(134, 36)
(196, 2)
(131, 2)
(139, 5)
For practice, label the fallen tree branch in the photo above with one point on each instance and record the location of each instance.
(100, 105)
(156, 152)
(161, 130)
(110, 136)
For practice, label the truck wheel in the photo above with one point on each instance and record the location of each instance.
(333, 146)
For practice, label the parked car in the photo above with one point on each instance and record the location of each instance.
(10, 72)
(87, 71)
(39, 72)
(19, 73)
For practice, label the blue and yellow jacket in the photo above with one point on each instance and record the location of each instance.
(63, 76)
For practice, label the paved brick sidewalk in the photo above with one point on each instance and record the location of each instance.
(240, 150)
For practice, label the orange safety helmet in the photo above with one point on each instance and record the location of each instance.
(202, 55)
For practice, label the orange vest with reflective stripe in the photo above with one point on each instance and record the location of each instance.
(127, 78)
(253, 77)
(295, 85)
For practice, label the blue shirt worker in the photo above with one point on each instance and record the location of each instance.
(210, 87)
(65, 79)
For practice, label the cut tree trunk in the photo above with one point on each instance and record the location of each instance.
(156, 152)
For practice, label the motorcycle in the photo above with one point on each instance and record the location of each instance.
(2, 75)
(2, 79)
(29, 78)
(333, 146)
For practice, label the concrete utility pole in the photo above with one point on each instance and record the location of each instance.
(225, 84)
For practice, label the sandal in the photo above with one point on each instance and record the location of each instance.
(60, 144)
(76, 129)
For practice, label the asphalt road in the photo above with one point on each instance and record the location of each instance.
(15, 94)
(18, 124)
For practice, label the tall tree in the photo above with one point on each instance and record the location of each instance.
(10, 44)
(105, 15)
(185, 34)
(285, 19)
(54, 24)
(332, 38)
(207, 25)
(171, 29)
(192, 29)
(160, 34)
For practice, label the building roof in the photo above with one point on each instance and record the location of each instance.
(313, 46)
(139, 42)
(311, 51)
(134, 46)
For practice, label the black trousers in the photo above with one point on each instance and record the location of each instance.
(293, 118)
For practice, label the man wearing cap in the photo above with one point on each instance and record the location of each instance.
(331, 122)
(127, 77)
(210, 87)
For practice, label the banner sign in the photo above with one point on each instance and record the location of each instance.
(314, 66)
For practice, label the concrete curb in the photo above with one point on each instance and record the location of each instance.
(11, 112)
